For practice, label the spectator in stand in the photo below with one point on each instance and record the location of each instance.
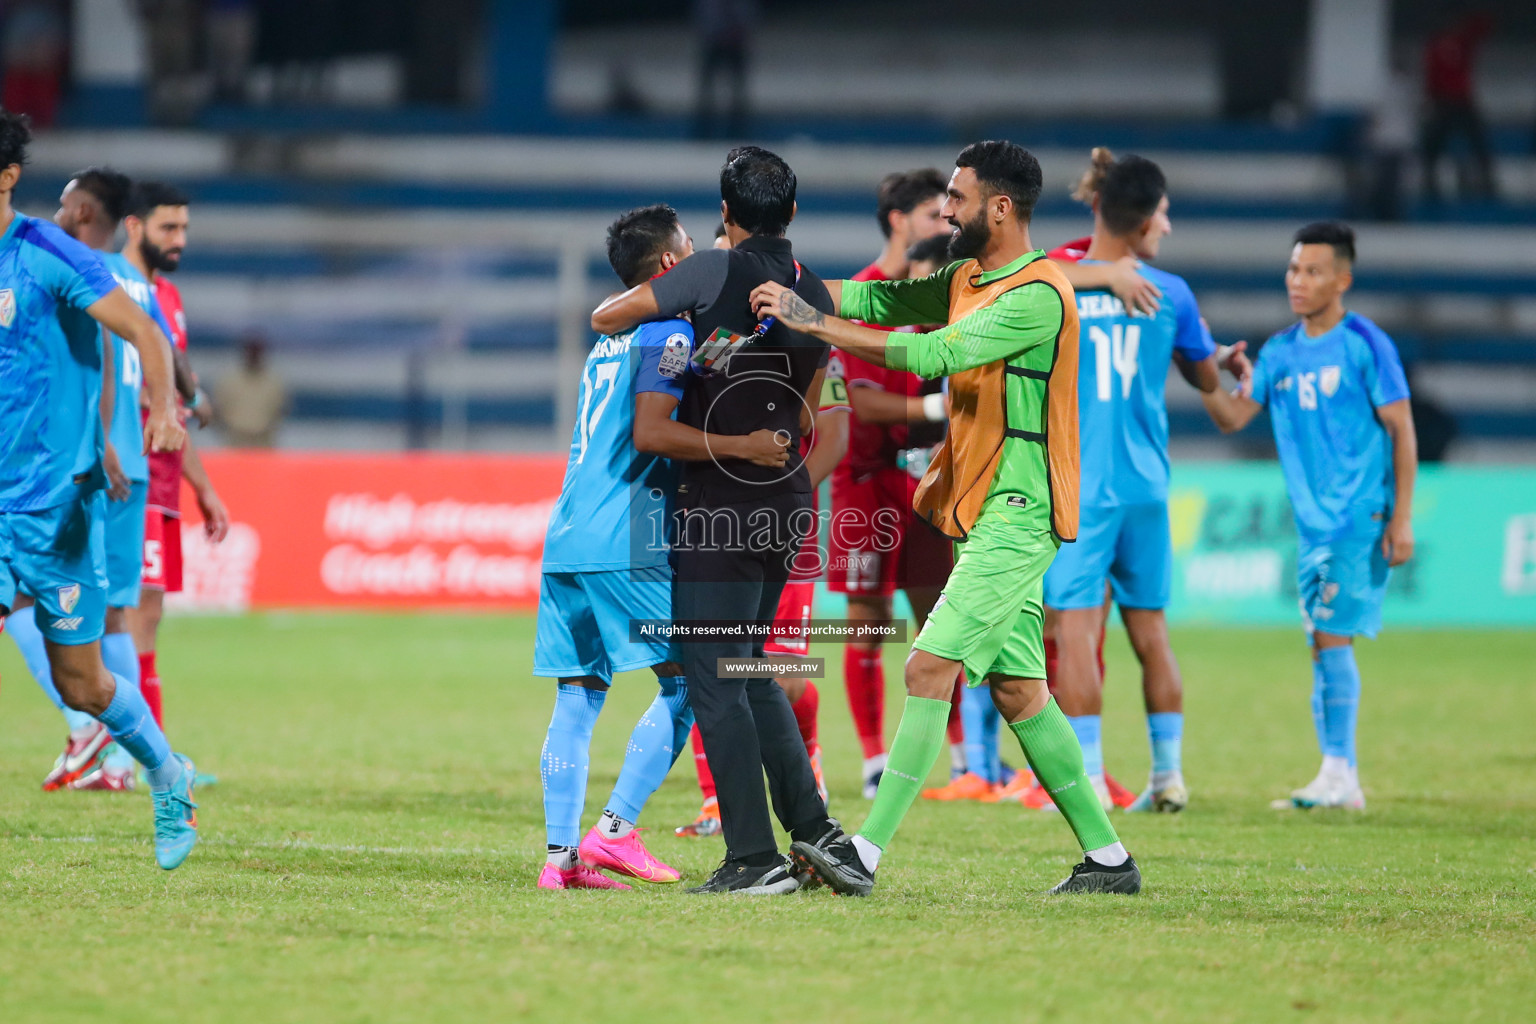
(251, 402)
(231, 28)
(1449, 57)
(725, 29)
(34, 57)
(1390, 137)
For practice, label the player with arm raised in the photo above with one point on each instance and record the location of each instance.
(606, 566)
(1339, 406)
(1004, 485)
(55, 296)
(1124, 537)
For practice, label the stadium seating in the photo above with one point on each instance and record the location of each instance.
(462, 257)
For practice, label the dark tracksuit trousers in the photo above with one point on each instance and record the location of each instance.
(732, 562)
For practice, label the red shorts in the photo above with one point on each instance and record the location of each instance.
(876, 544)
(162, 551)
(794, 606)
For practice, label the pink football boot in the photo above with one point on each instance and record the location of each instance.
(627, 856)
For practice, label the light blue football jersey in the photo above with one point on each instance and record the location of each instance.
(1123, 361)
(612, 510)
(50, 366)
(1322, 395)
(126, 429)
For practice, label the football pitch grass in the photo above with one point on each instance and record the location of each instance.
(370, 854)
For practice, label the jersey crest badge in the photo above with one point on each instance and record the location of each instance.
(674, 357)
(1328, 380)
(69, 597)
(7, 307)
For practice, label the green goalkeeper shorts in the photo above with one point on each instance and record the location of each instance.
(990, 617)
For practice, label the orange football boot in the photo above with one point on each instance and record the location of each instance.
(1122, 797)
(969, 786)
(1016, 788)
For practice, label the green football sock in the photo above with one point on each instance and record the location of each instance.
(1053, 753)
(919, 741)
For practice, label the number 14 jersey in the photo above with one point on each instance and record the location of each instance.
(1122, 377)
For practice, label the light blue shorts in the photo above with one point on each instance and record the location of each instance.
(584, 619)
(1128, 546)
(1342, 584)
(125, 547)
(57, 556)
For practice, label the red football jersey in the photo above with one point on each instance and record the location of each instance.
(1072, 251)
(873, 447)
(165, 467)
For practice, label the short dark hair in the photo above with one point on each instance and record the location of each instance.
(1329, 232)
(930, 250)
(759, 189)
(147, 195)
(110, 188)
(904, 190)
(1005, 168)
(637, 239)
(15, 134)
(1129, 193)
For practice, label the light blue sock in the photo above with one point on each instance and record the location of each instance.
(1165, 729)
(22, 626)
(1341, 701)
(1090, 738)
(991, 722)
(974, 700)
(122, 660)
(129, 721)
(659, 736)
(564, 761)
(1319, 718)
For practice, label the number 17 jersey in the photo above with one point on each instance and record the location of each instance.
(612, 510)
(1122, 380)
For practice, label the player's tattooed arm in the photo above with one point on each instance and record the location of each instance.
(797, 313)
(775, 300)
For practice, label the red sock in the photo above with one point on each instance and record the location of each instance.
(956, 730)
(864, 674)
(805, 715)
(1050, 663)
(706, 777)
(149, 685)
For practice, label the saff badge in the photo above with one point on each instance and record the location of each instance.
(7, 307)
(674, 356)
(69, 597)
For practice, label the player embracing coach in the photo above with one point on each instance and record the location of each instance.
(740, 524)
(1004, 485)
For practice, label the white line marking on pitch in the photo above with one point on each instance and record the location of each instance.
(304, 844)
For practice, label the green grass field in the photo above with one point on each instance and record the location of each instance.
(370, 854)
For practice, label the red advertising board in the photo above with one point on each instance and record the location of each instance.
(399, 531)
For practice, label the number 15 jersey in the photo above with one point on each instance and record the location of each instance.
(1122, 379)
(612, 510)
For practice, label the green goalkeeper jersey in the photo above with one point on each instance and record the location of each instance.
(987, 320)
